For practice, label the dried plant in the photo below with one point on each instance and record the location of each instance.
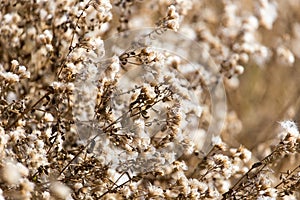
(95, 106)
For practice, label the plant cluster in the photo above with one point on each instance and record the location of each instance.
(86, 116)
